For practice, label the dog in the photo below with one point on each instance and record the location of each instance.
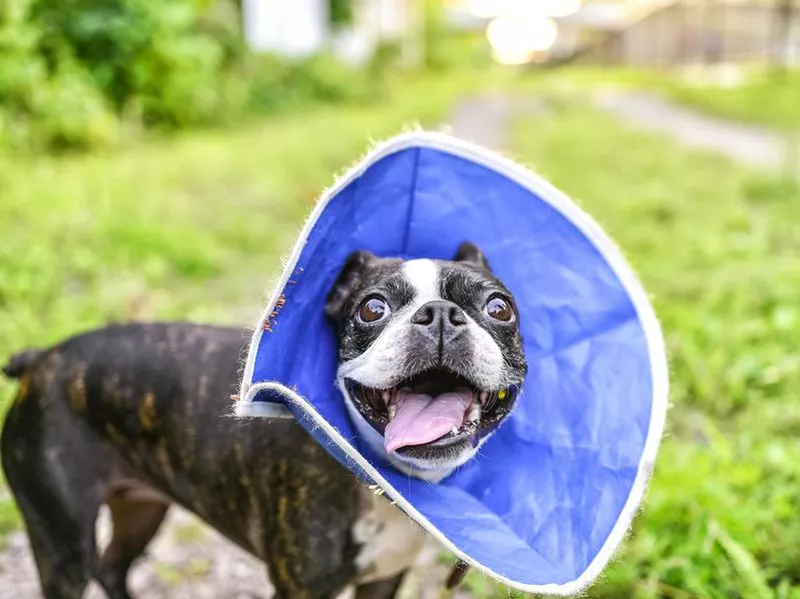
(133, 416)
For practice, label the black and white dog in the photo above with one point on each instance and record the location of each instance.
(131, 416)
(431, 358)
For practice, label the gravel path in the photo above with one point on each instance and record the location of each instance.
(748, 144)
(189, 560)
(482, 120)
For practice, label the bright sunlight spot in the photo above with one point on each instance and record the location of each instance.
(516, 40)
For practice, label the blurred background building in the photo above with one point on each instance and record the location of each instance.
(302, 28)
(635, 32)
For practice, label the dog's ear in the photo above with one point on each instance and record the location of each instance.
(353, 268)
(472, 254)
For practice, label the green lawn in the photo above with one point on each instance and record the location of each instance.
(719, 250)
(188, 228)
(762, 98)
(747, 94)
(172, 229)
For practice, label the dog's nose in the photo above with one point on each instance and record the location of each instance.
(440, 318)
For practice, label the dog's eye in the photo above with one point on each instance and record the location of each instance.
(373, 309)
(499, 309)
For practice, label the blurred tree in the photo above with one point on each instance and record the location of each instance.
(145, 54)
(72, 70)
(784, 15)
(340, 12)
(222, 21)
(45, 101)
(434, 34)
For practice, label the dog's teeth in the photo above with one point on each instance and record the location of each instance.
(454, 430)
(386, 396)
(484, 396)
(474, 414)
(392, 409)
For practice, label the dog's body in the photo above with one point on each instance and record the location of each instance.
(134, 416)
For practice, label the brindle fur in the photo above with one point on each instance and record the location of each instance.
(135, 416)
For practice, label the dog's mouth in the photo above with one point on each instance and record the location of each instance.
(435, 409)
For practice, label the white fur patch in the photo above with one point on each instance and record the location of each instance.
(423, 275)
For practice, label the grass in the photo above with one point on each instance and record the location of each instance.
(190, 228)
(718, 248)
(189, 532)
(169, 574)
(9, 518)
(748, 94)
(764, 98)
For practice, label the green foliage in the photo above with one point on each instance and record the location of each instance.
(69, 69)
(326, 78)
(267, 83)
(446, 48)
(388, 55)
(435, 36)
(83, 73)
(51, 103)
(340, 12)
(145, 55)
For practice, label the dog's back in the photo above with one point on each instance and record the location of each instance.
(135, 416)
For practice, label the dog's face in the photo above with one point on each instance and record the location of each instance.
(431, 358)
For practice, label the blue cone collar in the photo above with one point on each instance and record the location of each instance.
(545, 504)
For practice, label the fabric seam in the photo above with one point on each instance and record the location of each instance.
(411, 200)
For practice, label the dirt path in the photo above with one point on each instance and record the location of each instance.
(483, 119)
(189, 560)
(749, 144)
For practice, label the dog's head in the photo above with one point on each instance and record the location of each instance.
(430, 358)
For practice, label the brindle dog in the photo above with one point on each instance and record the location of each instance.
(132, 416)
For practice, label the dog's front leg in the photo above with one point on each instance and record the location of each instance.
(310, 507)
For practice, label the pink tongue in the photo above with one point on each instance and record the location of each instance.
(421, 418)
